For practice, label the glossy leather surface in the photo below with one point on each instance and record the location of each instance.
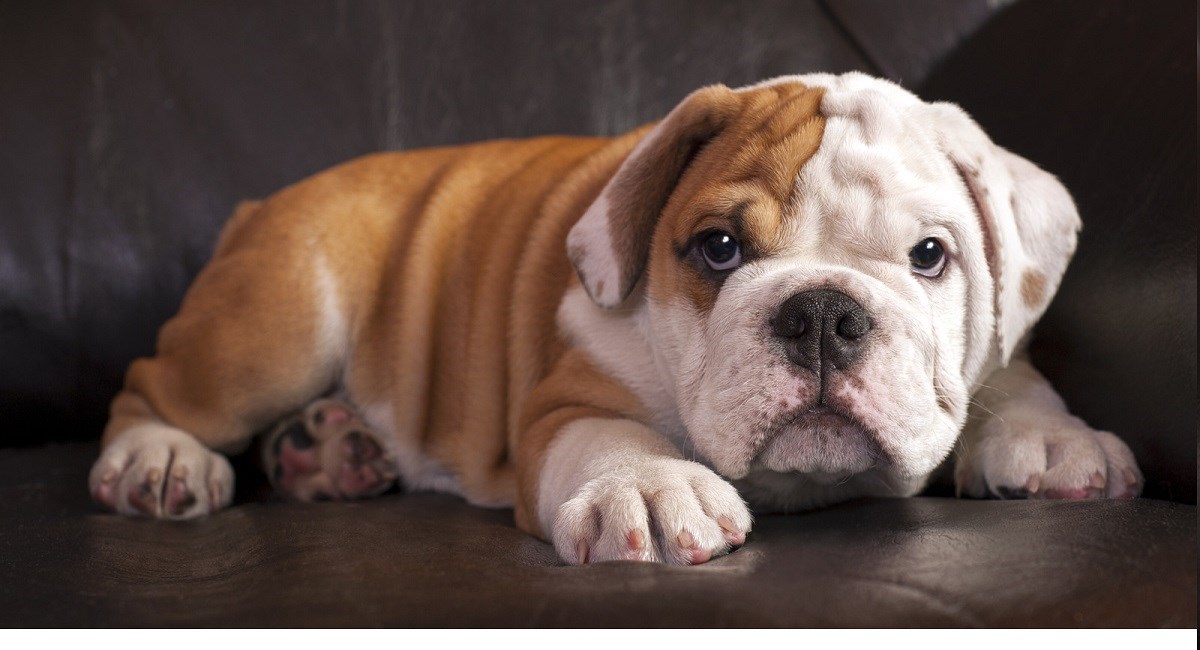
(428, 560)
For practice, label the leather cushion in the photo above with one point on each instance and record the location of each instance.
(429, 560)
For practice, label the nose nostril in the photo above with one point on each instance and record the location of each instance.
(789, 326)
(821, 328)
(853, 326)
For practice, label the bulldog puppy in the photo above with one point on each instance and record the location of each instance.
(778, 297)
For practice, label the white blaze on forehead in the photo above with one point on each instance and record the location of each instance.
(877, 178)
(880, 182)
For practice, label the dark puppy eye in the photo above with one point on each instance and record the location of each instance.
(928, 258)
(721, 251)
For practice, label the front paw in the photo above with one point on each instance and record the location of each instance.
(670, 511)
(1021, 456)
(158, 471)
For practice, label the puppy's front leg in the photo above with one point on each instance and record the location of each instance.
(613, 489)
(1022, 442)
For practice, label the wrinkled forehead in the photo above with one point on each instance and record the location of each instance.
(879, 168)
(847, 159)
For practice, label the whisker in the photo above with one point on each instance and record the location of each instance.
(1004, 393)
(985, 409)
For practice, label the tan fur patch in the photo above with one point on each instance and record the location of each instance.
(1033, 287)
(741, 184)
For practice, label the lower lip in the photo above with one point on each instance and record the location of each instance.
(820, 443)
(822, 416)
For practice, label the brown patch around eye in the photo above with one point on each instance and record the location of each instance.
(739, 184)
(1033, 287)
(700, 290)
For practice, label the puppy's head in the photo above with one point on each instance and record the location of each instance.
(828, 264)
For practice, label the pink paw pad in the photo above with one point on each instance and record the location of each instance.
(144, 496)
(178, 498)
(105, 491)
(327, 453)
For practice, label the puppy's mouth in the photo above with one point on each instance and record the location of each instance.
(821, 441)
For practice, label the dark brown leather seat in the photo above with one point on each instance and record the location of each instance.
(131, 128)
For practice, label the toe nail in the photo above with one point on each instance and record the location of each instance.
(1098, 481)
(1034, 482)
(154, 475)
(1130, 477)
(726, 524)
(685, 539)
(581, 551)
(111, 475)
(179, 472)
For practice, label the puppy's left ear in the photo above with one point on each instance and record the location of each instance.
(1030, 224)
(610, 244)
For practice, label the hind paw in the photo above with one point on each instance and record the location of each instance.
(327, 452)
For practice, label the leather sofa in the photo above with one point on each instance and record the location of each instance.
(131, 128)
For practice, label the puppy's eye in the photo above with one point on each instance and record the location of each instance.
(721, 251)
(928, 258)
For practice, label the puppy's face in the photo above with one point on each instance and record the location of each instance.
(818, 280)
(809, 291)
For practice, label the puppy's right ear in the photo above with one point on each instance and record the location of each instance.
(1029, 221)
(609, 246)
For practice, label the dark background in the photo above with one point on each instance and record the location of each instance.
(131, 128)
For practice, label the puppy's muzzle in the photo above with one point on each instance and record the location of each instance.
(821, 330)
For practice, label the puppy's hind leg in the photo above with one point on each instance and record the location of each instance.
(261, 332)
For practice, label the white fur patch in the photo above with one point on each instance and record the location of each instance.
(592, 251)
(151, 465)
(615, 490)
(1025, 443)
(418, 472)
(333, 333)
(619, 343)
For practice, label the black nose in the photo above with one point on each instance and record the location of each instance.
(821, 327)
